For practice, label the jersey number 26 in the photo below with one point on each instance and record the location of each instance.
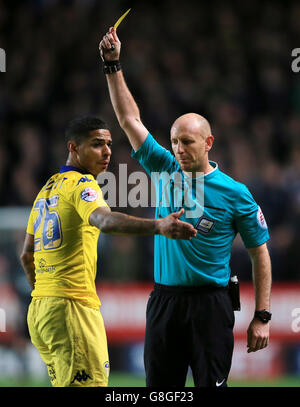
(49, 222)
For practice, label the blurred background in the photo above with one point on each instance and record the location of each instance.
(229, 62)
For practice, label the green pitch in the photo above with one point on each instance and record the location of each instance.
(125, 380)
(128, 380)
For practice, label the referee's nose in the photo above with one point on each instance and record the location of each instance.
(180, 148)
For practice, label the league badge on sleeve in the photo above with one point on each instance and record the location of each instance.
(89, 194)
(261, 219)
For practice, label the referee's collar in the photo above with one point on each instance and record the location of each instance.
(215, 169)
(206, 176)
(65, 168)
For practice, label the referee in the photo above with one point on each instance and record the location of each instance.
(190, 318)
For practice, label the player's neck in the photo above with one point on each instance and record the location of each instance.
(73, 163)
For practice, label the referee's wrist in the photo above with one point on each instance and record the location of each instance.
(110, 67)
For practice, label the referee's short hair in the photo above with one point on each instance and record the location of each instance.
(79, 128)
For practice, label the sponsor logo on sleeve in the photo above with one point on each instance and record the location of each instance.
(89, 194)
(261, 219)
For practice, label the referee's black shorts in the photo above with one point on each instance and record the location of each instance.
(188, 326)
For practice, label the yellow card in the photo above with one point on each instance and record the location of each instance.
(121, 19)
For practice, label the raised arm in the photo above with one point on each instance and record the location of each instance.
(124, 105)
(117, 223)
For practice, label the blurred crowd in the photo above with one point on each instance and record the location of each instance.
(229, 61)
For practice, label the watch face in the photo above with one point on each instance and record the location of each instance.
(264, 315)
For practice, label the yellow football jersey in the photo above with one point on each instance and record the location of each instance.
(65, 244)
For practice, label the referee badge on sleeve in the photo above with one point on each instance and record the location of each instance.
(205, 224)
(261, 219)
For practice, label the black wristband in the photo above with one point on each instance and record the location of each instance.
(111, 66)
(263, 316)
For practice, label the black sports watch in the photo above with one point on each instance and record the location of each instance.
(263, 316)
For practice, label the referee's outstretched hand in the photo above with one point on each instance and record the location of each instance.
(110, 46)
(173, 228)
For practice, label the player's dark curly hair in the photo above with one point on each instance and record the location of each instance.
(79, 128)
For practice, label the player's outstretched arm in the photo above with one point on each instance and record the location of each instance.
(27, 259)
(117, 223)
(124, 105)
(258, 332)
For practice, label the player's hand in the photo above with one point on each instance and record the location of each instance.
(110, 46)
(173, 228)
(258, 335)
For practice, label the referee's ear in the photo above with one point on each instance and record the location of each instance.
(209, 142)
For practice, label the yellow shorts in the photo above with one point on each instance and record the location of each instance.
(71, 339)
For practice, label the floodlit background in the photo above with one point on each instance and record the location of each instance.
(229, 62)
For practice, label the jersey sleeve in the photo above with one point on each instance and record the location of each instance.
(86, 198)
(153, 157)
(249, 220)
